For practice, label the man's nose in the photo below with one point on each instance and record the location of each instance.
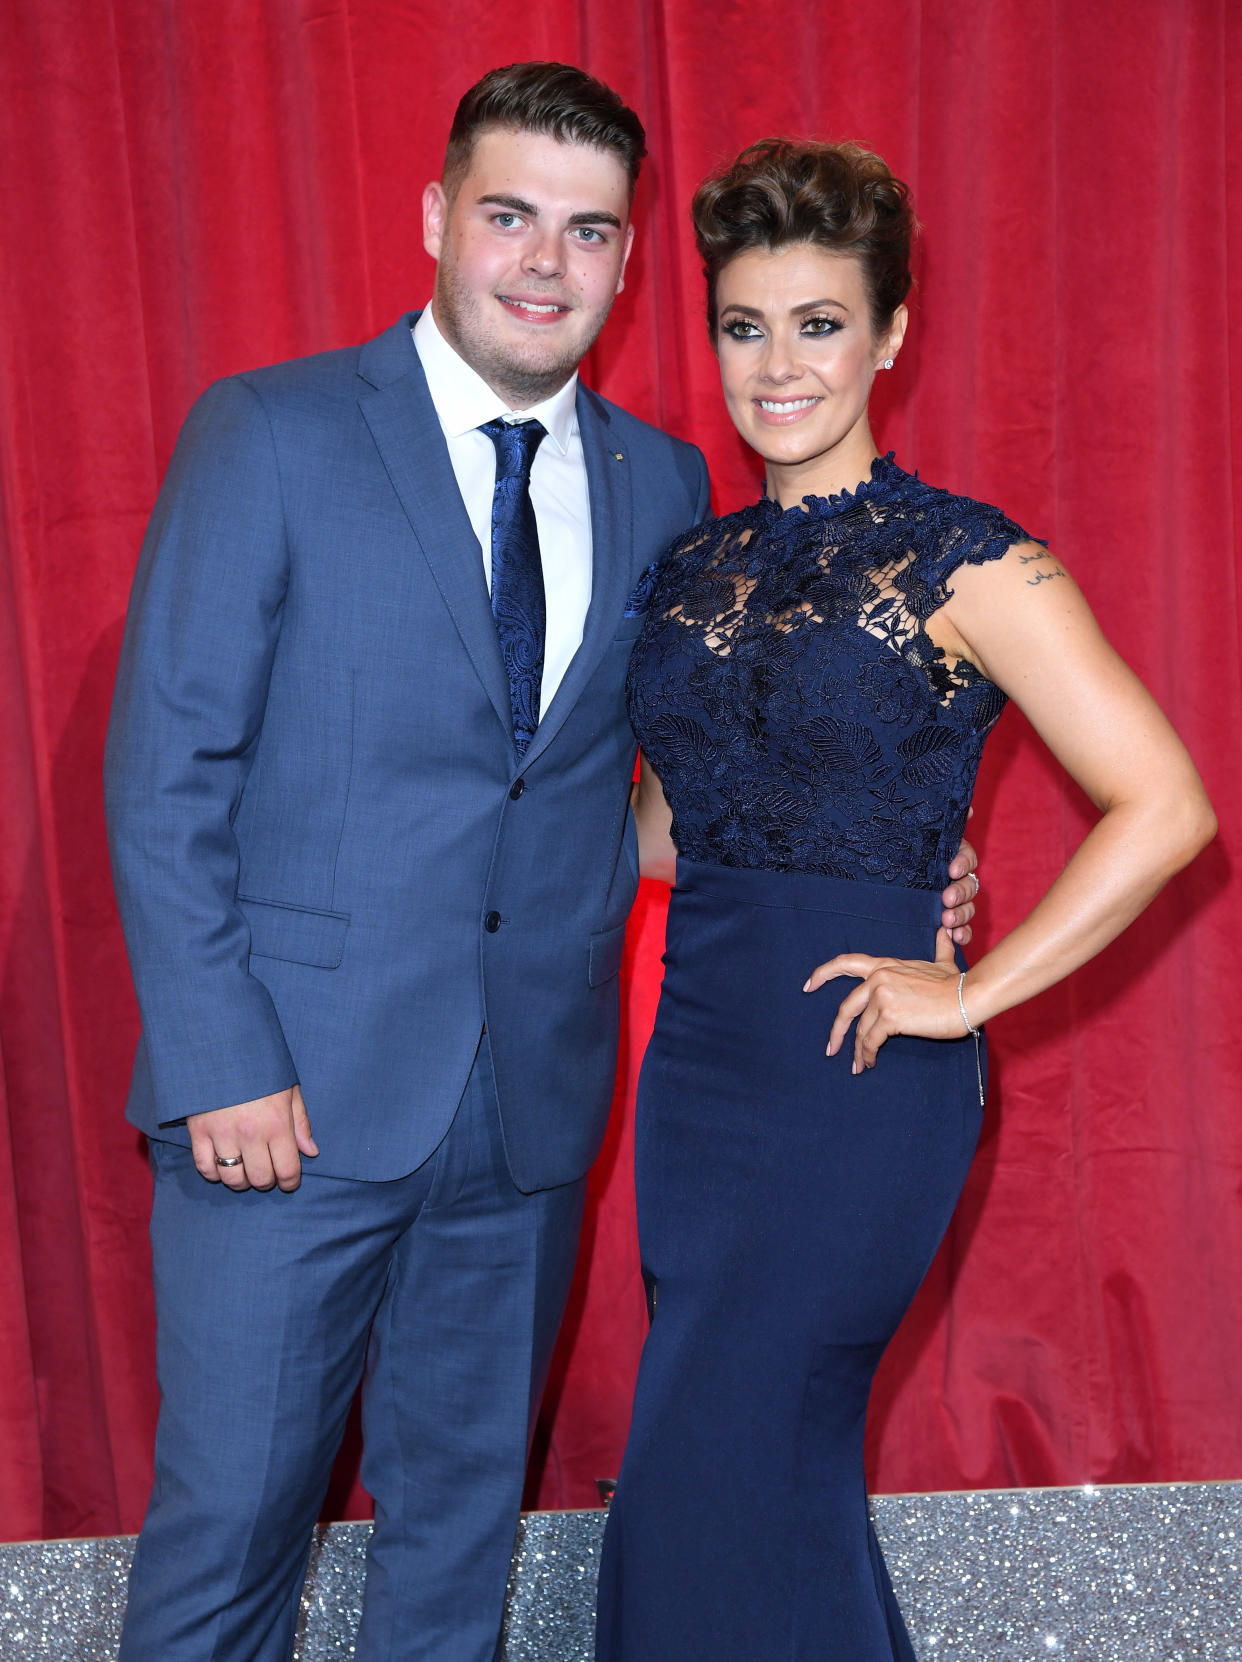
(543, 257)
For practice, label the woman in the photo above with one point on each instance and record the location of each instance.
(811, 690)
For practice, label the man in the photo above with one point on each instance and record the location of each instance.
(368, 780)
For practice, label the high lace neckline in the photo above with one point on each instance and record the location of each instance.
(786, 690)
(884, 474)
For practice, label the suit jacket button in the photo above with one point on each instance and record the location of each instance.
(516, 789)
(492, 922)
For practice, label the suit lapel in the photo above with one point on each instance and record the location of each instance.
(610, 487)
(397, 408)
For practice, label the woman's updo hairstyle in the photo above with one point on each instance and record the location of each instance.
(838, 196)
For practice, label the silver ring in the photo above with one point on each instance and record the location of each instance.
(228, 1159)
(978, 884)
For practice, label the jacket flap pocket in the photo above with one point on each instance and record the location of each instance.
(606, 950)
(294, 932)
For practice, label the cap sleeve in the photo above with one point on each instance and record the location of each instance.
(959, 531)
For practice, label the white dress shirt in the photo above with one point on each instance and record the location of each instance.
(558, 487)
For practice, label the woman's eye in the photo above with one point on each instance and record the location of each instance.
(821, 325)
(741, 329)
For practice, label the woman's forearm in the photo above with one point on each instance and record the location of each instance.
(1125, 860)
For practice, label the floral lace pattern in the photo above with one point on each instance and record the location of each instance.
(786, 691)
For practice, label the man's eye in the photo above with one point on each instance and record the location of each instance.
(588, 233)
(505, 221)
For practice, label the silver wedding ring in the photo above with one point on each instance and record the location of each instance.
(978, 884)
(228, 1159)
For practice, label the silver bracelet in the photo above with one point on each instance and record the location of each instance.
(961, 1004)
(974, 1033)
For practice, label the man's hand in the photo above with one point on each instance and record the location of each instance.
(959, 897)
(270, 1135)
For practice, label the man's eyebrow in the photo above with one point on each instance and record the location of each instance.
(519, 205)
(598, 216)
(515, 204)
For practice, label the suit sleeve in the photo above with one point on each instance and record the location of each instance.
(703, 498)
(204, 619)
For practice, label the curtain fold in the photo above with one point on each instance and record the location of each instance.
(194, 188)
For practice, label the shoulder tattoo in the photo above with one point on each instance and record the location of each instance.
(1047, 566)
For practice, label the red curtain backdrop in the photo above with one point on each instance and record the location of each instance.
(194, 187)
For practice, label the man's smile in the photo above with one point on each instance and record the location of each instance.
(531, 309)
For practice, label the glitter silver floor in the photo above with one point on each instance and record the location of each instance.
(1145, 1573)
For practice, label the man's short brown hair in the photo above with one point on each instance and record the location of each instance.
(556, 99)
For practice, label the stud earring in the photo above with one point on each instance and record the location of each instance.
(888, 363)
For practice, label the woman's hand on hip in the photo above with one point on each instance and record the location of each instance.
(894, 995)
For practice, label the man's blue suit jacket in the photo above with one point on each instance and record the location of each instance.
(331, 867)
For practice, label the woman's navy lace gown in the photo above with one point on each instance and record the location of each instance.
(819, 755)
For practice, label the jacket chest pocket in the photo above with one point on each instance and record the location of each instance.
(628, 630)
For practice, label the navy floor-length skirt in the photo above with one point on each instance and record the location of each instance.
(787, 1210)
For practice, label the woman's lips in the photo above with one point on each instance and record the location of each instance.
(783, 412)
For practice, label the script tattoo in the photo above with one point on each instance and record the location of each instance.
(1041, 576)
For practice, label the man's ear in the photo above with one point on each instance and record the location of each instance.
(435, 216)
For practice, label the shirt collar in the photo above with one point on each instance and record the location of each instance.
(463, 400)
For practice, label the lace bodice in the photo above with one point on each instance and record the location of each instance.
(786, 691)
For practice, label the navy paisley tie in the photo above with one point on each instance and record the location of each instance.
(517, 572)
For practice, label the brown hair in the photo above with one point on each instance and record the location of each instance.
(556, 99)
(838, 196)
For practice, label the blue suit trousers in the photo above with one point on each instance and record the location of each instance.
(442, 1292)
